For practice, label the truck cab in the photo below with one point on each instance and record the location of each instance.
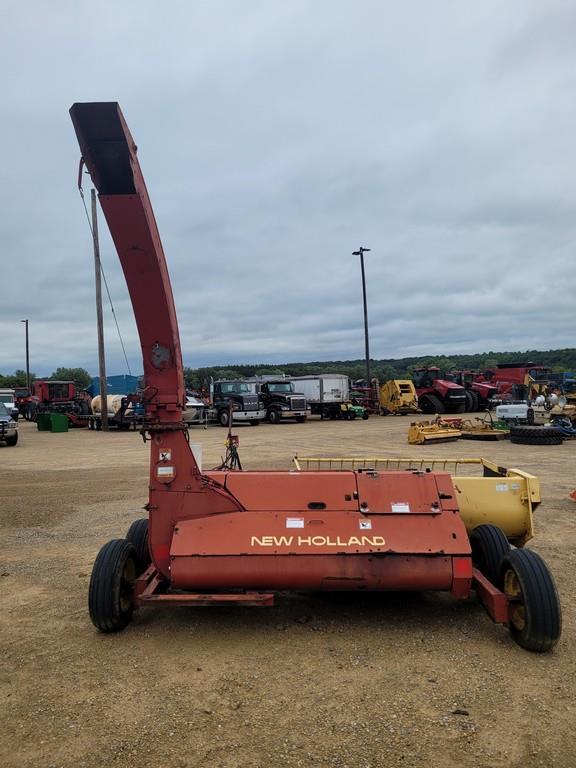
(241, 397)
(281, 401)
(8, 397)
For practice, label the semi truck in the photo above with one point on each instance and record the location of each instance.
(280, 399)
(327, 394)
(236, 396)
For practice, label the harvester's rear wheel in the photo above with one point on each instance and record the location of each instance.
(536, 617)
(138, 535)
(110, 596)
(476, 400)
(489, 547)
(431, 404)
(470, 402)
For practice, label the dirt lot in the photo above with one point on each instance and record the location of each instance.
(356, 681)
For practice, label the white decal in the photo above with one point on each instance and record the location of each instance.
(165, 471)
(165, 455)
(401, 506)
(294, 522)
(501, 487)
(365, 525)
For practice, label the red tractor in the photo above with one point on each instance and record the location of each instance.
(49, 396)
(518, 381)
(438, 395)
(478, 393)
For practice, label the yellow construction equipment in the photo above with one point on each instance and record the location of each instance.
(439, 430)
(511, 495)
(398, 397)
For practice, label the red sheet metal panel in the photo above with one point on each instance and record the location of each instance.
(329, 572)
(292, 491)
(300, 533)
(401, 493)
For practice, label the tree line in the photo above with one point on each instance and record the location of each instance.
(388, 368)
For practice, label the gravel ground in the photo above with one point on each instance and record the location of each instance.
(344, 681)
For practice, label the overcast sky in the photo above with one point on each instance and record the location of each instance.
(276, 138)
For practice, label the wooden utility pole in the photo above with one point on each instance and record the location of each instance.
(98, 281)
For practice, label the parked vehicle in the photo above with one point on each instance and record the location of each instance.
(196, 411)
(8, 397)
(325, 393)
(437, 395)
(8, 427)
(479, 394)
(281, 401)
(518, 380)
(49, 396)
(367, 397)
(240, 397)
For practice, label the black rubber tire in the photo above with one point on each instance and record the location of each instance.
(470, 403)
(460, 408)
(223, 418)
(274, 416)
(536, 625)
(12, 441)
(556, 440)
(431, 404)
(138, 535)
(489, 547)
(110, 600)
(476, 399)
(521, 431)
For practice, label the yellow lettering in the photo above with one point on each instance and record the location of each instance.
(304, 540)
(256, 542)
(283, 541)
(318, 541)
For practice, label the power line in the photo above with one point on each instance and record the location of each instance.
(106, 284)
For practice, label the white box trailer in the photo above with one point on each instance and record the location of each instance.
(324, 393)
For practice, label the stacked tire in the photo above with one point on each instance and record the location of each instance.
(534, 435)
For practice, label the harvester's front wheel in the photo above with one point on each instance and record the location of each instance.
(489, 547)
(138, 535)
(536, 618)
(110, 596)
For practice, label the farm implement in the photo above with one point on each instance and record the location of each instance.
(238, 537)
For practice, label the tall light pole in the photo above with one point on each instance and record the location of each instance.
(27, 356)
(360, 252)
